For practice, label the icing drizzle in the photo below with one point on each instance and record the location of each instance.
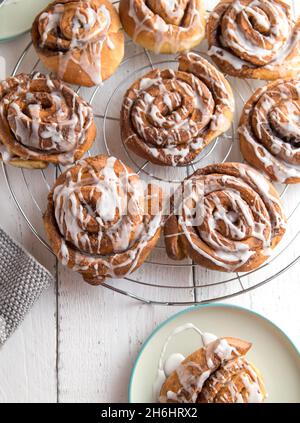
(78, 31)
(220, 375)
(226, 216)
(270, 126)
(172, 115)
(45, 118)
(169, 22)
(251, 34)
(101, 218)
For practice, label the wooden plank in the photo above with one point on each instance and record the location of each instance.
(28, 359)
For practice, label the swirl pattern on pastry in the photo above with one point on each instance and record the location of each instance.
(254, 39)
(169, 116)
(269, 130)
(226, 217)
(216, 373)
(43, 121)
(164, 26)
(100, 221)
(81, 41)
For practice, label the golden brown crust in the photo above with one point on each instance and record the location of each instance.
(79, 56)
(43, 121)
(234, 382)
(217, 372)
(229, 219)
(99, 221)
(168, 116)
(163, 29)
(251, 40)
(269, 133)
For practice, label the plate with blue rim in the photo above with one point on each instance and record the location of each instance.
(17, 16)
(272, 352)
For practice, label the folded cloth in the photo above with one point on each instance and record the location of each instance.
(22, 280)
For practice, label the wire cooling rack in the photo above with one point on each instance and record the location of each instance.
(29, 189)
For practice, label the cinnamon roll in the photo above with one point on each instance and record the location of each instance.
(101, 221)
(215, 373)
(43, 121)
(164, 26)
(81, 41)
(269, 130)
(225, 217)
(169, 116)
(254, 39)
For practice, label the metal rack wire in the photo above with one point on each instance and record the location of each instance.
(195, 287)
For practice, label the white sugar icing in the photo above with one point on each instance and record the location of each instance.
(60, 132)
(95, 22)
(173, 113)
(268, 40)
(228, 228)
(274, 135)
(149, 20)
(166, 367)
(223, 365)
(118, 213)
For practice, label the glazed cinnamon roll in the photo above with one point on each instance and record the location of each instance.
(269, 130)
(254, 39)
(101, 221)
(215, 373)
(164, 26)
(43, 121)
(81, 41)
(169, 116)
(225, 217)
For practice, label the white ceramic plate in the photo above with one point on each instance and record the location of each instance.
(16, 17)
(272, 351)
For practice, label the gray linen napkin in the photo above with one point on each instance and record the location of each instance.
(22, 280)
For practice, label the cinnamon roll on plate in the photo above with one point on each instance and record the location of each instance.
(226, 217)
(164, 26)
(216, 373)
(81, 41)
(169, 116)
(216, 353)
(254, 39)
(269, 130)
(43, 121)
(101, 220)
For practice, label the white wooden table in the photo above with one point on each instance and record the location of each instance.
(79, 343)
